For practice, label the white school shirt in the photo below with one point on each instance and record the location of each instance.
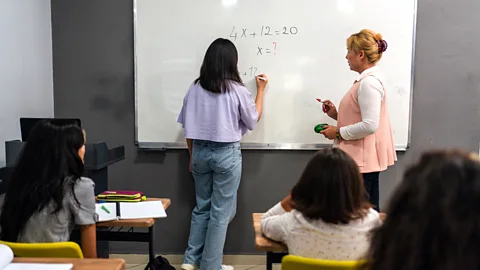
(370, 96)
(318, 239)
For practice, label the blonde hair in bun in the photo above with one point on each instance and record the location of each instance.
(370, 42)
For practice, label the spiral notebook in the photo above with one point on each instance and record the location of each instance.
(6, 262)
(129, 210)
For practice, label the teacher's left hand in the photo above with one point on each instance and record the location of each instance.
(329, 132)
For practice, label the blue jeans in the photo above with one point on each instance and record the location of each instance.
(216, 169)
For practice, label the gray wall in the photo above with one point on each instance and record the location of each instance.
(93, 80)
(26, 87)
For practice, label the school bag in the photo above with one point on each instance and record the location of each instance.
(160, 263)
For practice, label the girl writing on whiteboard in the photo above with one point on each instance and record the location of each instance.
(363, 122)
(47, 195)
(217, 111)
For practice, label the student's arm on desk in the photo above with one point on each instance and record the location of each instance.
(277, 222)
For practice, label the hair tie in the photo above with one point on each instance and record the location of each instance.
(382, 45)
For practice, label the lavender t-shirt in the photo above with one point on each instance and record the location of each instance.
(215, 117)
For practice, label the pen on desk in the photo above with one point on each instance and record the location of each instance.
(105, 209)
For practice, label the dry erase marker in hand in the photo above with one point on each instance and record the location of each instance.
(261, 78)
(105, 209)
(319, 100)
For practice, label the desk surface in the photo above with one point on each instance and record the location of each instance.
(263, 243)
(137, 223)
(79, 264)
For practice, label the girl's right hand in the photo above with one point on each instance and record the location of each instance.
(329, 108)
(261, 83)
(287, 203)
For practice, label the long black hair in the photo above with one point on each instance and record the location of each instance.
(48, 166)
(219, 68)
(433, 217)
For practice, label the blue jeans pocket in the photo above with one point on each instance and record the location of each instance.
(227, 159)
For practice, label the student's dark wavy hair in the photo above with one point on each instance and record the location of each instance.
(219, 68)
(433, 217)
(48, 166)
(331, 188)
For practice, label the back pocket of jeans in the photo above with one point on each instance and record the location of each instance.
(227, 159)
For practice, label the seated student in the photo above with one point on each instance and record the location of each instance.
(433, 217)
(327, 216)
(47, 195)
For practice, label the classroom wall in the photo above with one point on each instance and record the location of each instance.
(26, 80)
(93, 80)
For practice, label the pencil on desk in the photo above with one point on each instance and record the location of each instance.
(105, 209)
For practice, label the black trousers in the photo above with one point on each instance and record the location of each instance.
(370, 181)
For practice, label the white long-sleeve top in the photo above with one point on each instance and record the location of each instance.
(318, 239)
(370, 96)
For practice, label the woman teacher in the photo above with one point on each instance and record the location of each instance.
(363, 121)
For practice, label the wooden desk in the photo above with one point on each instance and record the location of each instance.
(125, 231)
(79, 264)
(108, 234)
(136, 223)
(275, 250)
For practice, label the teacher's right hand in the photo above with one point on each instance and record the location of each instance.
(330, 109)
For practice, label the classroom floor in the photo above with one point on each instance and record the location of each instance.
(237, 267)
(239, 262)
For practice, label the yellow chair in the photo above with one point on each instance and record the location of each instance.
(46, 250)
(291, 262)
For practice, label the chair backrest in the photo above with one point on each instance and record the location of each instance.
(291, 262)
(46, 250)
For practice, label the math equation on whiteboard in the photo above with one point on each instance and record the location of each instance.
(264, 31)
(251, 72)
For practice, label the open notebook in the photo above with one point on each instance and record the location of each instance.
(129, 210)
(6, 258)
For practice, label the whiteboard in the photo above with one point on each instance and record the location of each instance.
(299, 44)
